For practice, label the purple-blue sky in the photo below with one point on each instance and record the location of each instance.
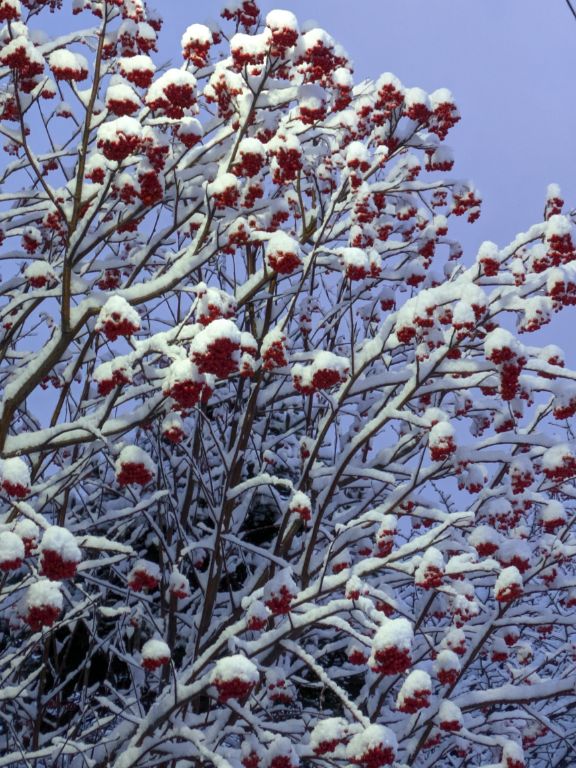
(509, 63)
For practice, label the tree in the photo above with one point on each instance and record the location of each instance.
(281, 485)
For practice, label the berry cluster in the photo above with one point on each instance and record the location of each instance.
(220, 358)
(418, 699)
(39, 616)
(55, 567)
(391, 660)
(119, 378)
(233, 688)
(280, 603)
(141, 579)
(18, 490)
(134, 473)
(151, 663)
(375, 757)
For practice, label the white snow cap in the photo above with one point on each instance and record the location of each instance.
(27, 529)
(507, 578)
(280, 242)
(45, 593)
(221, 328)
(449, 712)
(155, 649)
(130, 64)
(236, 667)
(554, 457)
(222, 183)
(197, 33)
(61, 541)
(15, 471)
(132, 454)
(64, 59)
(558, 226)
(371, 738)
(11, 548)
(126, 126)
(394, 633)
(279, 19)
(416, 683)
(499, 339)
(178, 77)
(447, 659)
(116, 309)
(441, 432)
(332, 729)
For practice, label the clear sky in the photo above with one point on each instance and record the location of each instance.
(509, 63)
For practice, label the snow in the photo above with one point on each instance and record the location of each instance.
(394, 633)
(221, 328)
(300, 500)
(15, 471)
(371, 738)
(11, 548)
(38, 269)
(500, 339)
(117, 305)
(173, 77)
(449, 712)
(138, 63)
(127, 126)
(197, 33)
(416, 682)
(45, 593)
(554, 457)
(507, 578)
(251, 146)
(27, 529)
(155, 650)
(63, 59)
(61, 541)
(236, 667)
(441, 432)
(558, 226)
(330, 730)
(279, 19)
(121, 92)
(446, 660)
(224, 182)
(133, 454)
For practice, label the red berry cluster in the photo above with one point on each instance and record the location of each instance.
(417, 700)
(442, 449)
(140, 77)
(490, 266)
(319, 62)
(444, 117)
(512, 763)
(279, 603)
(121, 107)
(119, 148)
(287, 165)
(447, 676)
(274, 356)
(116, 326)
(55, 567)
(564, 471)
(431, 579)
(246, 15)
(223, 96)
(151, 664)
(219, 358)
(173, 435)
(197, 52)
(39, 616)
(110, 279)
(226, 199)
(151, 190)
(185, 393)
(233, 688)
(281, 761)
(304, 513)
(279, 694)
(37, 281)
(142, 579)
(451, 726)
(18, 59)
(309, 115)
(560, 249)
(249, 164)
(10, 565)
(509, 593)
(284, 262)
(467, 203)
(375, 757)
(256, 623)
(119, 378)
(15, 489)
(134, 473)
(357, 657)
(325, 378)
(554, 207)
(251, 760)
(486, 548)
(391, 661)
